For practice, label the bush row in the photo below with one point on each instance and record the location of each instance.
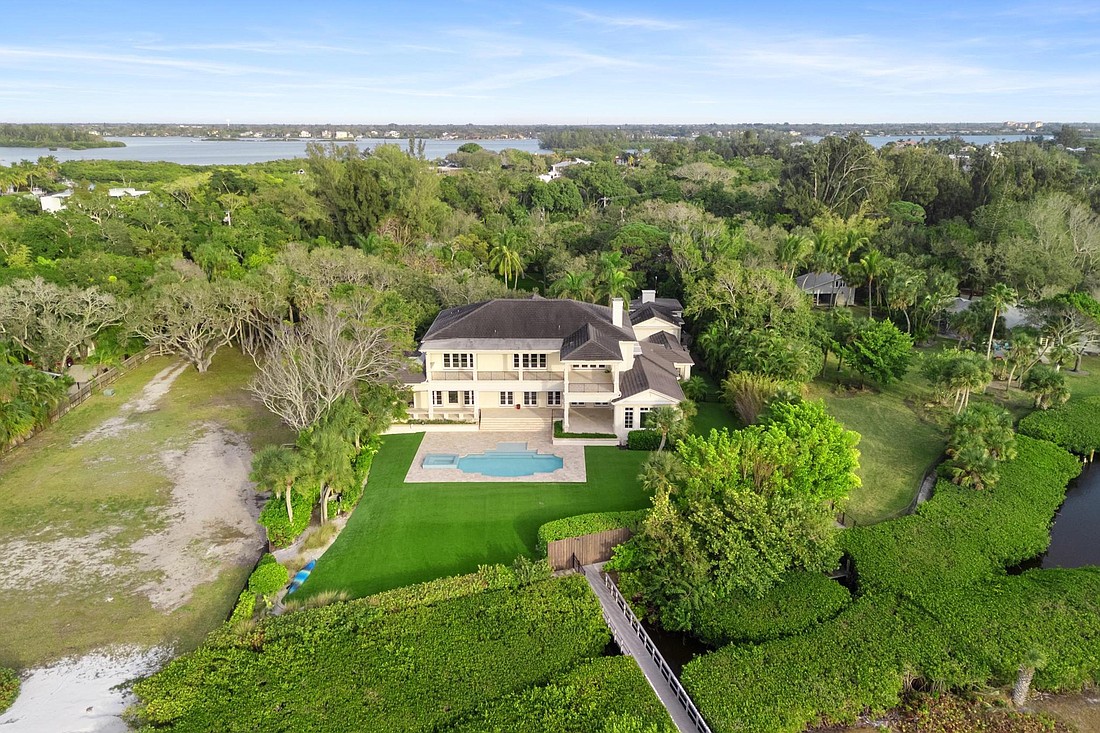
(9, 688)
(936, 604)
(1075, 426)
(605, 695)
(798, 602)
(643, 440)
(413, 670)
(965, 535)
(559, 433)
(583, 524)
(281, 532)
(864, 659)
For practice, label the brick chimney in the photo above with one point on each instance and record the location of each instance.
(617, 312)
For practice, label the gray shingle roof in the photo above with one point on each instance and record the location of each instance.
(521, 319)
(593, 341)
(650, 374)
(663, 308)
(822, 282)
(664, 346)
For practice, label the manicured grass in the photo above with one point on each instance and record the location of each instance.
(409, 533)
(713, 416)
(114, 488)
(899, 440)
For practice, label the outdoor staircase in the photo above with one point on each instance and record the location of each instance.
(516, 421)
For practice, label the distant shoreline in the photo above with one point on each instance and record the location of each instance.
(52, 144)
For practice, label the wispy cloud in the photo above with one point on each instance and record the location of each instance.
(120, 61)
(623, 21)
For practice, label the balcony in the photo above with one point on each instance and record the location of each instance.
(598, 387)
(451, 375)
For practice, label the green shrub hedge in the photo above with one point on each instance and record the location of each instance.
(9, 688)
(488, 577)
(413, 670)
(936, 604)
(245, 608)
(643, 440)
(269, 577)
(605, 695)
(583, 524)
(965, 535)
(1074, 426)
(559, 433)
(281, 532)
(797, 603)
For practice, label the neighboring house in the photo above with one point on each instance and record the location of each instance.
(118, 193)
(1014, 316)
(53, 202)
(519, 364)
(557, 168)
(827, 288)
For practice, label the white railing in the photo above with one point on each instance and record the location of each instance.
(673, 682)
(591, 387)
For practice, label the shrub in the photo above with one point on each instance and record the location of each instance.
(1075, 427)
(583, 524)
(748, 393)
(9, 688)
(268, 578)
(421, 669)
(936, 606)
(797, 603)
(603, 695)
(245, 608)
(281, 532)
(528, 571)
(643, 439)
(559, 433)
(487, 577)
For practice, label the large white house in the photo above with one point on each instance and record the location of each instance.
(519, 364)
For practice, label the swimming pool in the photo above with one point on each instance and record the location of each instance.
(506, 460)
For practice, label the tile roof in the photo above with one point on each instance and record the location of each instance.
(593, 341)
(664, 346)
(533, 318)
(663, 308)
(647, 374)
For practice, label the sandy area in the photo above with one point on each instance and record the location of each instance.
(212, 518)
(157, 387)
(80, 695)
(31, 565)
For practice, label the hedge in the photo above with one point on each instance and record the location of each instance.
(583, 524)
(936, 604)
(281, 532)
(800, 601)
(9, 688)
(413, 670)
(245, 608)
(488, 577)
(559, 433)
(603, 696)
(269, 577)
(1074, 426)
(643, 440)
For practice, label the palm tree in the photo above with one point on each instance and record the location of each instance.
(505, 257)
(1000, 296)
(329, 455)
(871, 266)
(574, 285)
(275, 469)
(1034, 660)
(793, 251)
(1023, 353)
(670, 420)
(617, 284)
(901, 294)
(1047, 385)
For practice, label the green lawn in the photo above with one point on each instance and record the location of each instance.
(401, 533)
(899, 440)
(713, 416)
(79, 507)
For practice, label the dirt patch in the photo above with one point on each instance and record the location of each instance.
(31, 565)
(211, 519)
(157, 387)
(1081, 710)
(80, 695)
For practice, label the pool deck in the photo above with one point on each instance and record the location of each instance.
(573, 470)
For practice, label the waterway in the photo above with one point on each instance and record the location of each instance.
(195, 151)
(1075, 536)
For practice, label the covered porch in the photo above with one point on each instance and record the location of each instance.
(590, 420)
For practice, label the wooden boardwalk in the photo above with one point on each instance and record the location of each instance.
(635, 642)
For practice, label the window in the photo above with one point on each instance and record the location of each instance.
(553, 399)
(590, 366)
(437, 398)
(628, 418)
(467, 398)
(642, 412)
(452, 398)
(529, 361)
(507, 398)
(531, 399)
(458, 361)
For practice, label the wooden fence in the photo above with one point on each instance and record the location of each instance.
(81, 395)
(588, 548)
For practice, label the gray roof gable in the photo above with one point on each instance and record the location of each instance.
(533, 318)
(648, 374)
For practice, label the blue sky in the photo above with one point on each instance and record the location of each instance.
(457, 61)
